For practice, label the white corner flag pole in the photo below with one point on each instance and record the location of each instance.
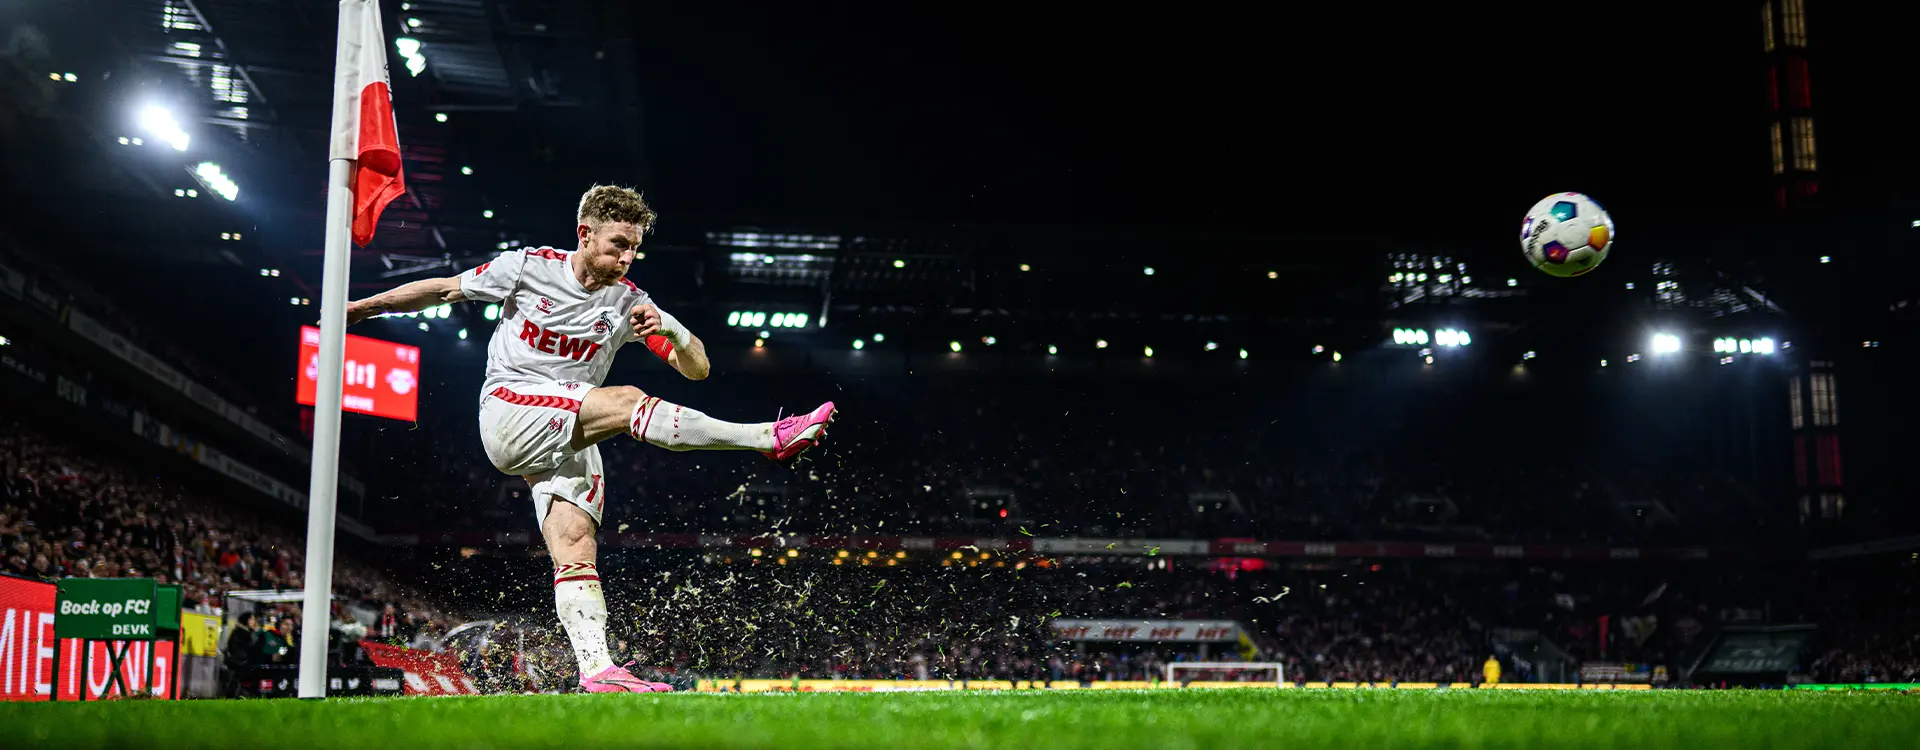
(323, 486)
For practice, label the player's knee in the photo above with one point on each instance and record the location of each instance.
(625, 394)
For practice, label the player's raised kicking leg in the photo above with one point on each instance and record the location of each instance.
(615, 410)
(572, 497)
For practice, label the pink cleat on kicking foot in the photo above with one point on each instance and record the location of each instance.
(619, 680)
(794, 435)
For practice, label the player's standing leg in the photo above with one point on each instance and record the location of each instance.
(613, 410)
(580, 602)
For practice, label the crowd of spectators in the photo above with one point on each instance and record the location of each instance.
(947, 457)
(70, 511)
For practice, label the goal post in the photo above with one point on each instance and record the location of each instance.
(1228, 671)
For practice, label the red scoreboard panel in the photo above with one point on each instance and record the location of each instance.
(380, 378)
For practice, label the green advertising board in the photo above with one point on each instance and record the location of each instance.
(166, 605)
(109, 609)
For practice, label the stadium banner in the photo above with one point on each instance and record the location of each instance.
(914, 686)
(27, 646)
(379, 378)
(1756, 650)
(105, 338)
(1148, 631)
(1607, 671)
(106, 608)
(1860, 686)
(1029, 546)
(425, 672)
(199, 634)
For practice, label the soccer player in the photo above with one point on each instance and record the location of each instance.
(543, 409)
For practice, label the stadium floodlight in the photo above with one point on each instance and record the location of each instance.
(1148, 351)
(466, 171)
(1051, 349)
(1243, 354)
(989, 340)
(414, 23)
(1100, 344)
(446, 311)
(1212, 346)
(858, 345)
(879, 338)
(492, 312)
(899, 264)
(463, 334)
(69, 78)
(1336, 357)
(1024, 267)
(1665, 343)
(486, 214)
(766, 334)
(409, 48)
(210, 175)
(1451, 337)
(1148, 270)
(1763, 346)
(733, 318)
(158, 121)
(1513, 282)
(1273, 274)
(954, 345)
(1826, 259)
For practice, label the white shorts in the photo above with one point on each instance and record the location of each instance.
(527, 429)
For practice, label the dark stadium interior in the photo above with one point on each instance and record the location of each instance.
(1111, 326)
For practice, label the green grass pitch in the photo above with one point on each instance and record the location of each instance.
(1159, 719)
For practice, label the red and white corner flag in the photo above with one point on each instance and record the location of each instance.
(363, 126)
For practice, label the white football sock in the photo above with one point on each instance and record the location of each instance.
(678, 428)
(583, 612)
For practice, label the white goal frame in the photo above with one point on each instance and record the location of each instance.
(1279, 670)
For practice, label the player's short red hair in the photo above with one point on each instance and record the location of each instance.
(604, 203)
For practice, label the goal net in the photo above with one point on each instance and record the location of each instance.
(1264, 672)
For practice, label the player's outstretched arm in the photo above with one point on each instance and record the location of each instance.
(689, 353)
(410, 297)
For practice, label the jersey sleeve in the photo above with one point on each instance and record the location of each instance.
(494, 280)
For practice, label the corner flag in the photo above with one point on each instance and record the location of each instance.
(363, 125)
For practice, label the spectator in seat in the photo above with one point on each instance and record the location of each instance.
(243, 647)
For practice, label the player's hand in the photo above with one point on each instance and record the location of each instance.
(645, 320)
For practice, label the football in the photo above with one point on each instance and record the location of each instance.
(1566, 234)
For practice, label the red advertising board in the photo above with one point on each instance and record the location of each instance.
(380, 378)
(427, 673)
(27, 643)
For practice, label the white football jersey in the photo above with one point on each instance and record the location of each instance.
(552, 330)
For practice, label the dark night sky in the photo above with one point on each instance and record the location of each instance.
(1434, 122)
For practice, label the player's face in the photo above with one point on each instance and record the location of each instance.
(609, 248)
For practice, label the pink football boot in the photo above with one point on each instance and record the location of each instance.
(794, 435)
(619, 680)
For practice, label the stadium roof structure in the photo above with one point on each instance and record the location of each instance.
(498, 100)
